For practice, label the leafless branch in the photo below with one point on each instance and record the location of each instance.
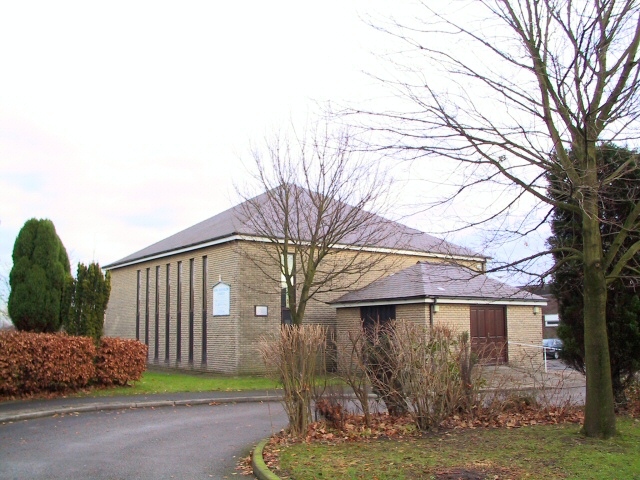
(322, 208)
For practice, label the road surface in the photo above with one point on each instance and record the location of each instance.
(199, 442)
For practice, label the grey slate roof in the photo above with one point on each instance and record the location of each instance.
(233, 222)
(436, 280)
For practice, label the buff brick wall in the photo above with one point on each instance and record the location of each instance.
(222, 332)
(257, 285)
(347, 323)
(231, 340)
(121, 310)
(417, 313)
(456, 317)
(257, 288)
(524, 327)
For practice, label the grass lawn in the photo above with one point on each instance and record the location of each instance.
(544, 451)
(168, 382)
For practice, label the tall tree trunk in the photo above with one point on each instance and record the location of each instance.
(600, 419)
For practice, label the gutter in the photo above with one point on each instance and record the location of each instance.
(445, 300)
(253, 238)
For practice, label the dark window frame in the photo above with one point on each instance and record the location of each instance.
(179, 314)
(138, 285)
(146, 309)
(377, 314)
(205, 267)
(191, 306)
(167, 308)
(156, 346)
(285, 307)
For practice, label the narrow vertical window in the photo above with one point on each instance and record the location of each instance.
(138, 307)
(146, 311)
(284, 291)
(179, 315)
(204, 308)
(157, 318)
(167, 309)
(191, 308)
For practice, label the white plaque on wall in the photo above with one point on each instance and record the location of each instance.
(221, 299)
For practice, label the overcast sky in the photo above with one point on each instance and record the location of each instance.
(125, 122)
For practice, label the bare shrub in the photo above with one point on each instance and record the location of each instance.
(294, 356)
(427, 373)
(352, 369)
(435, 372)
(467, 361)
(381, 361)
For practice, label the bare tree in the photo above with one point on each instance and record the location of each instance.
(531, 89)
(5, 321)
(320, 212)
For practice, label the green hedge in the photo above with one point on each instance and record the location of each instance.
(45, 362)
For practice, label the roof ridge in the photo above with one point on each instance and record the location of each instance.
(437, 280)
(230, 223)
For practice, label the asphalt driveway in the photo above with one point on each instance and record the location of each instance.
(199, 442)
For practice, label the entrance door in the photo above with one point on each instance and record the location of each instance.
(489, 333)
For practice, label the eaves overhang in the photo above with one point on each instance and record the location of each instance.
(254, 238)
(442, 299)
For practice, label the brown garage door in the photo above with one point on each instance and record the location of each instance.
(489, 333)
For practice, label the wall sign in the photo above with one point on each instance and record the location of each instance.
(221, 299)
(262, 310)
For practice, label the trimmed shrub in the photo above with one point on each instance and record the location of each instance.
(46, 362)
(120, 361)
(36, 362)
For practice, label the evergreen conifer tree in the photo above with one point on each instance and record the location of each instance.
(89, 297)
(623, 301)
(39, 278)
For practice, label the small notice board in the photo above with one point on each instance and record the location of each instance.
(221, 299)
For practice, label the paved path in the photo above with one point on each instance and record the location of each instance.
(26, 409)
(198, 442)
(559, 385)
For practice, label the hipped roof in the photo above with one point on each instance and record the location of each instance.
(431, 280)
(234, 222)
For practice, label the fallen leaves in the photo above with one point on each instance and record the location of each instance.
(244, 466)
(522, 416)
(384, 426)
